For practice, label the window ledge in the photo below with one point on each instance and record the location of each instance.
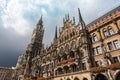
(114, 50)
(95, 42)
(98, 54)
(110, 36)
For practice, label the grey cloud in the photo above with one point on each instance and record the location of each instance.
(11, 46)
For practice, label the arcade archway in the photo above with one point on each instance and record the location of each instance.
(76, 78)
(101, 77)
(118, 76)
(85, 78)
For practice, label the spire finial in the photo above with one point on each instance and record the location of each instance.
(80, 17)
(59, 30)
(73, 20)
(41, 17)
(81, 22)
(68, 16)
(40, 21)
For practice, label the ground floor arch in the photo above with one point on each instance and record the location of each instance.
(68, 78)
(76, 78)
(85, 78)
(117, 76)
(100, 77)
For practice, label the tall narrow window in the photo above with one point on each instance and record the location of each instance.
(111, 32)
(67, 47)
(110, 46)
(115, 59)
(72, 55)
(116, 44)
(94, 38)
(61, 50)
(73, 45)
(83, 66)
(97, 63)
(59, 58)
(106, 33)
(98, 49)
(65, 56)
(94, 51)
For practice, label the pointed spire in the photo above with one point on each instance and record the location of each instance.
(68, 16)
(80, 17)
(81, 22)
(59, 31)
(73, 20)
(40, 21)
(55, 34)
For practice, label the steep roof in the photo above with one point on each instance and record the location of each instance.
(104, 16)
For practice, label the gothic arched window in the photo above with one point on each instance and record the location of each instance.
(72, 54)
(73, 45)
(85, 78)
(64, 56)
(105, 32)
(67, 48)
(59, 58)
(110, 30)
(61, 50)
(94, 38)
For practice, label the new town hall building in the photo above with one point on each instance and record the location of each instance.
(80, 52)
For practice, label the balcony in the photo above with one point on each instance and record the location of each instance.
(114, 66)
(97, 69)
(65, 61)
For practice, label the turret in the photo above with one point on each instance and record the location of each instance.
(81, 23)
(40, 21)
(73, 20)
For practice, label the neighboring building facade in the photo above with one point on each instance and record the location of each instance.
(80, 52)
(19, 69)
(6, 73)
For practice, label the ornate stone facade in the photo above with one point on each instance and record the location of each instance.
(6, 73)
(80, 52)
(19, 69)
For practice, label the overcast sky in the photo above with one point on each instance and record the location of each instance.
(18, 18)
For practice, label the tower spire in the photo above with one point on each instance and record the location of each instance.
(80, 17)
(68, 16)
(73, 20)
(40, 21)
(81, 22)
(59, 31)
